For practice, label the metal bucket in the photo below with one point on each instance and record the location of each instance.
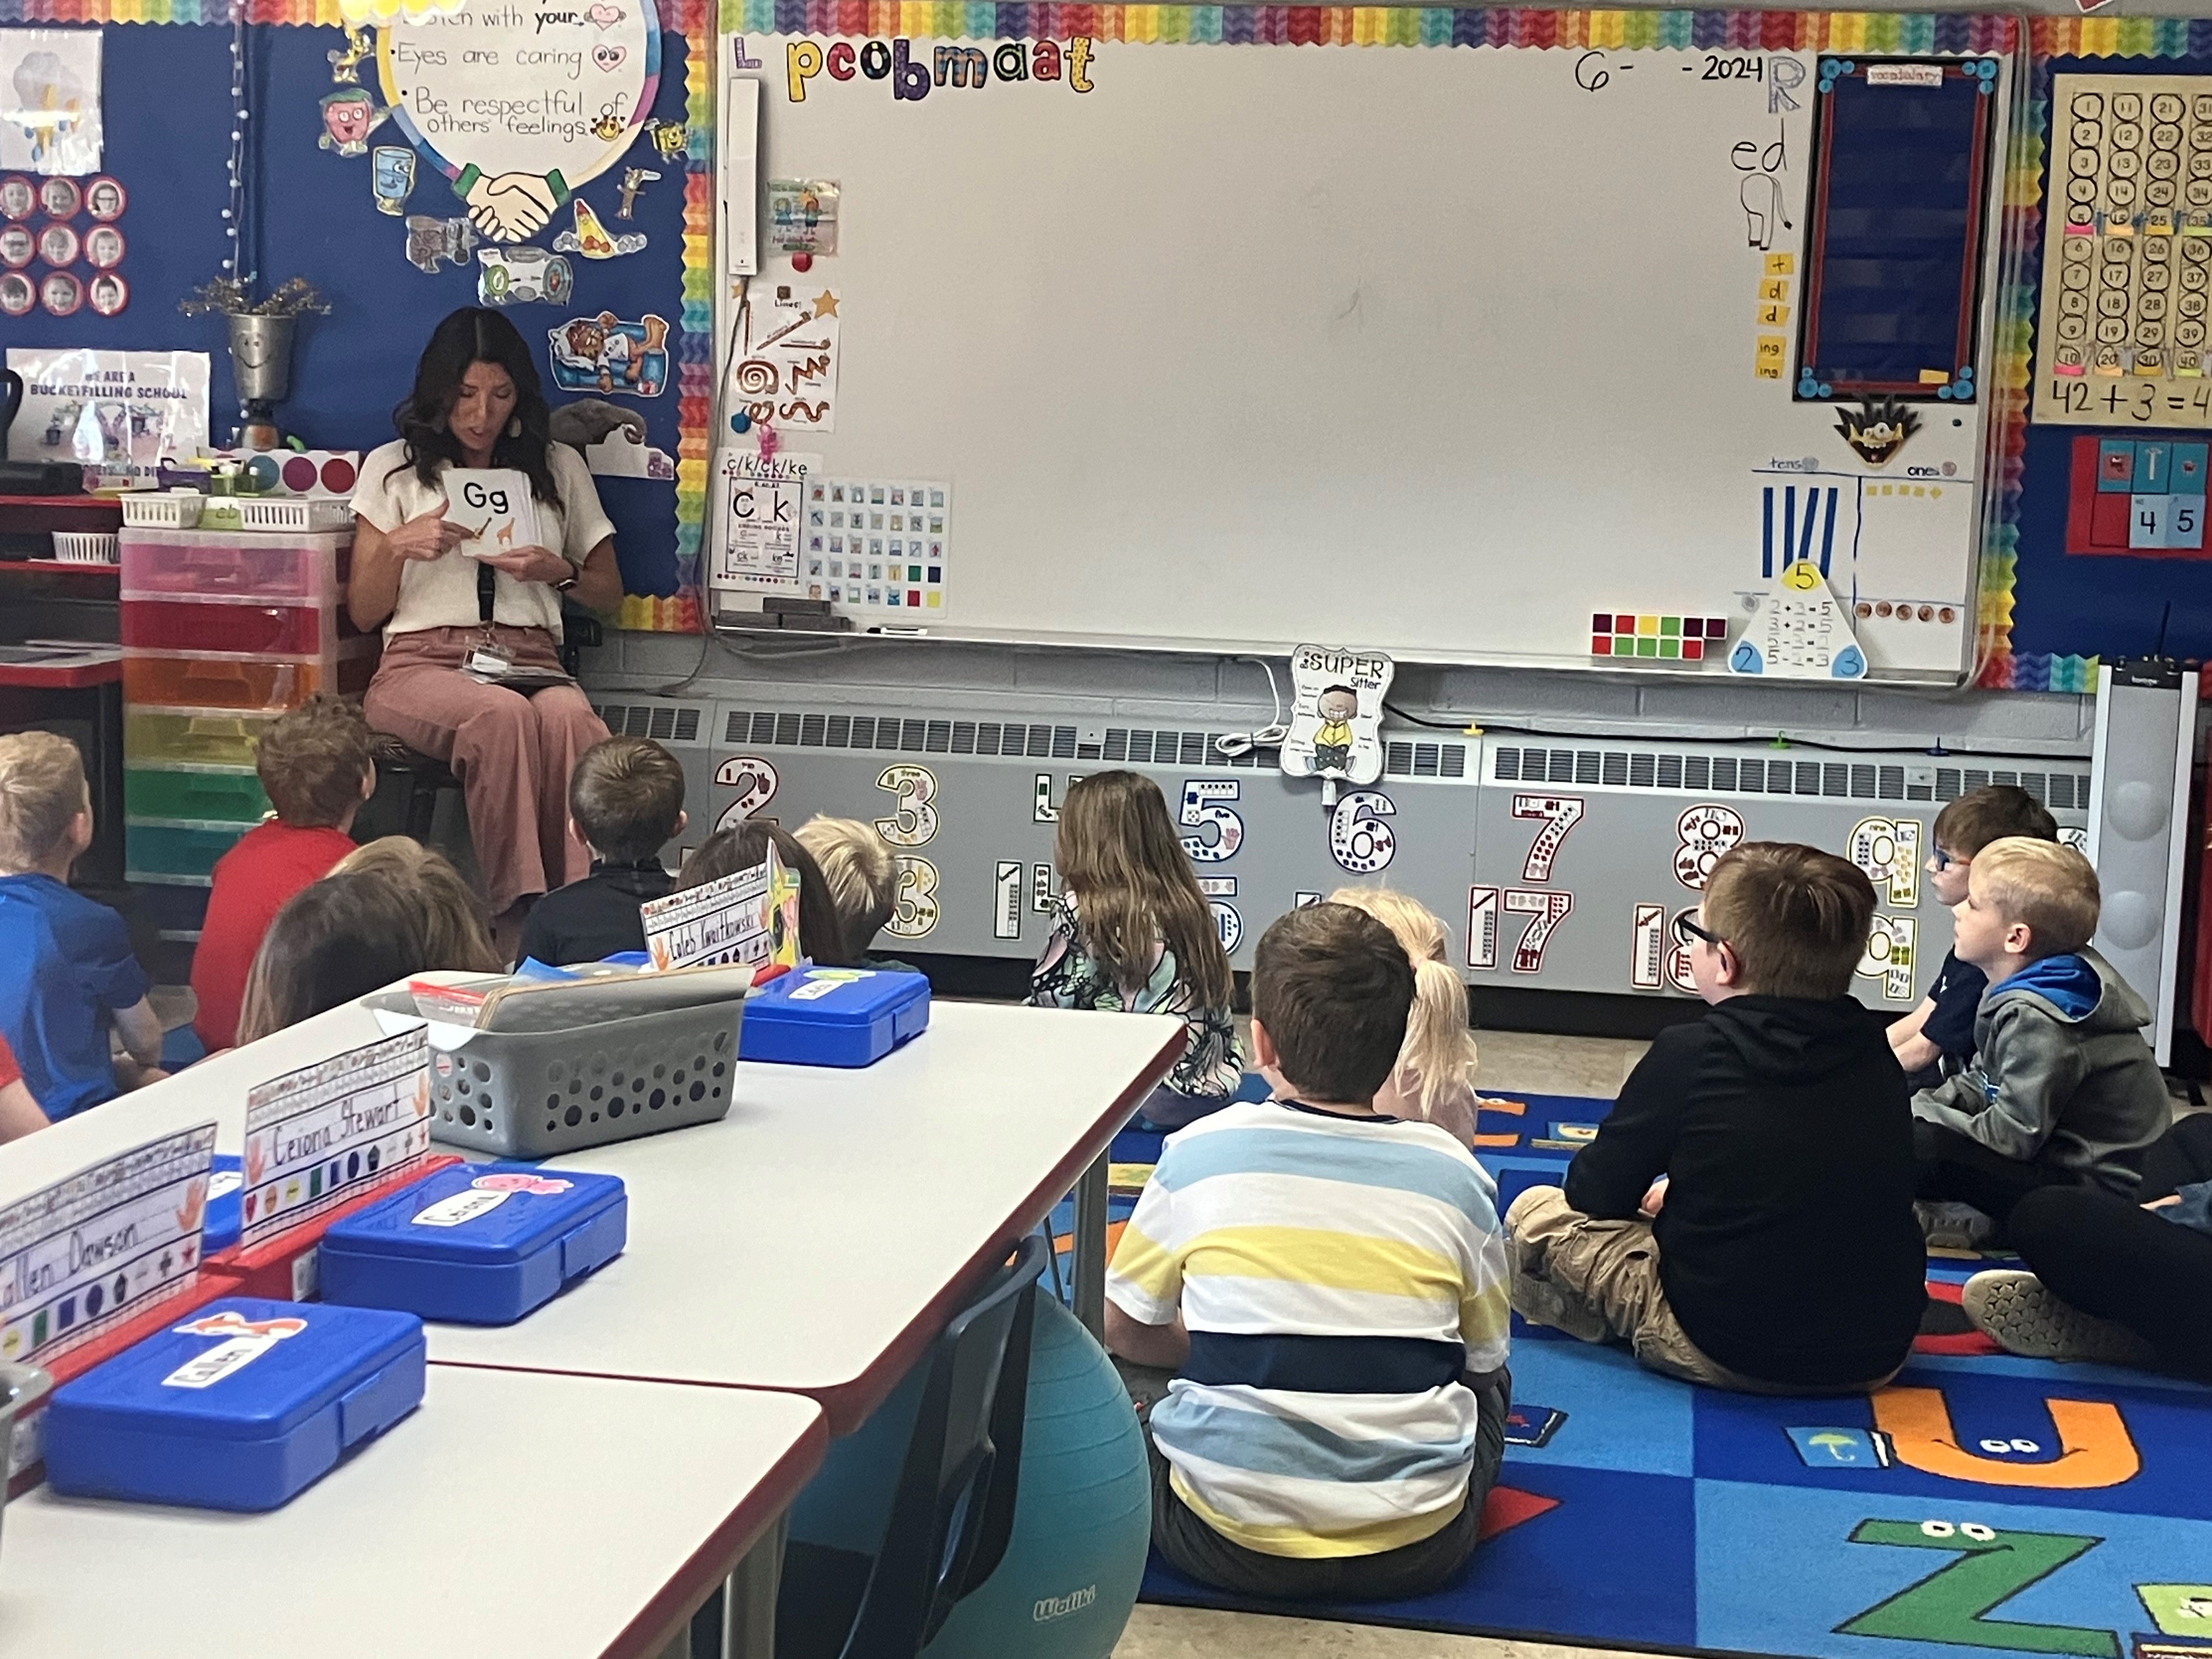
(261, 355)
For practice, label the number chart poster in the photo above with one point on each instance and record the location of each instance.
(2110, 324)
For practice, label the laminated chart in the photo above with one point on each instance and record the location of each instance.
(2127, 253)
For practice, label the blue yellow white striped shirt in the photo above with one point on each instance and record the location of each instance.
(1336, 1275)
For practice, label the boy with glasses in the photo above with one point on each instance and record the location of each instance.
(1936, 1039)
(1744, 1218)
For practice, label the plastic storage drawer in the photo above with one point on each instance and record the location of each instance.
(161, 737)
(221, 797)
(833, 1017)
(182, 682)
(306, 566)
(482, 1244)
(180, 624)
(242, 1405)
(177, 852)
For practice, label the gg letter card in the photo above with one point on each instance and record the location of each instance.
(494, 503)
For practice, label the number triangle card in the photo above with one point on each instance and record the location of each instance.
(1799, 630)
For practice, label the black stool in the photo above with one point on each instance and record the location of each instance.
(414, 779)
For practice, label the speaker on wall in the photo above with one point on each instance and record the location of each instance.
(2139, 778)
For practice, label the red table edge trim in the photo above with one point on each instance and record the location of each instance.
(847, 1405)
(647, 1633)
(83, 677)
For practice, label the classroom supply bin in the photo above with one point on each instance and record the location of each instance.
(833, 1016)
(222, 631)
(537, 1094)
(242, 1405)
(478, 1244)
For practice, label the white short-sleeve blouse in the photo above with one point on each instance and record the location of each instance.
(442, 592)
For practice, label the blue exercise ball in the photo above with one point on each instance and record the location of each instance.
(1083, 1520)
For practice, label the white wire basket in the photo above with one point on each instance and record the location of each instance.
(163, 509)
(294, 512)
(87, 546)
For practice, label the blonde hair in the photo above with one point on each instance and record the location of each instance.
(456, 934)
(2045, 884)
(861, 873)
(1437, 1044)
(42, 789)
(1133, 887)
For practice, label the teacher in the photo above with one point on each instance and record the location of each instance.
(454, 625)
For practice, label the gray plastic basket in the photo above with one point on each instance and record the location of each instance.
(533, 1094)
(21, 1387)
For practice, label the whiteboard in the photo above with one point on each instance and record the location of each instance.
(1436, 351)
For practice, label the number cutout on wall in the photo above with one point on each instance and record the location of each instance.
(1360, 839)
(754, 781)
(1205, 804)
(1007, 899)
(1888, 850)
(1560, 813)
(1703, 834)
(1889, 956)
(915, 824)
(917, 898)
(1546, 909)
(1646, 947)
(1482, 928)
(1219, 890)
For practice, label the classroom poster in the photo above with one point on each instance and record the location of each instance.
(755, 515)
(49, 100)
(117, 414)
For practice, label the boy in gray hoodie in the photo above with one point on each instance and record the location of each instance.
(2064, 1091)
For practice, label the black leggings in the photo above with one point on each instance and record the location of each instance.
(2113, 1259)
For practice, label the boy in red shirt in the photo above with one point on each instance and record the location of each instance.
(316, 765)
(19, 1111)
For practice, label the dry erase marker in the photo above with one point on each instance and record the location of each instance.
(903, 633)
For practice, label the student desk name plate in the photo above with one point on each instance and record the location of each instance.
(101, 1245)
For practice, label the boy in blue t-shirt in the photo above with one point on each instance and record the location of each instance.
(69, 973)
(1936, 1039)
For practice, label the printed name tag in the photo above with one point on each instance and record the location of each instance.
(223, 1360)
(461, 1206)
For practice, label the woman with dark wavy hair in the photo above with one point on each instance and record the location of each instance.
(450, 620)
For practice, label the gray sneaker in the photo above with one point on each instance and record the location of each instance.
(1950, 1226)
(2023, 1316)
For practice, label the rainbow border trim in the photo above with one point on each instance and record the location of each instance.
(1379, 26)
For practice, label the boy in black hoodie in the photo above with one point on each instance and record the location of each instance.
(1744, 1218)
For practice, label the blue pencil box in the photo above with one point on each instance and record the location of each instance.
(833, 1016)
(219, 1228)
(241, 1405)
(477, 1245)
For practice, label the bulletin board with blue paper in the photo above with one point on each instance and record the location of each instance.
(549, 162)
(2103, 551)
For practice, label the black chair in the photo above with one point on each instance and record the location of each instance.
(953, 1512)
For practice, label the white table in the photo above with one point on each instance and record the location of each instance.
(512, 1515)
(817, 1238)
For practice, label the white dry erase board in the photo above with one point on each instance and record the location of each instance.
(1447, 351)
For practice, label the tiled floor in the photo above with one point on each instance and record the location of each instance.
(1509, 1059)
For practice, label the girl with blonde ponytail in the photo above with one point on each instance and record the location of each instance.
(1434, 1081)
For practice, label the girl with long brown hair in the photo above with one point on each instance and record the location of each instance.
(1131, 933)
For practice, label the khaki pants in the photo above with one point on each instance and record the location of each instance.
(1598, 1281)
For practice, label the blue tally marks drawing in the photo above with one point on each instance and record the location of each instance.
(1818, 515)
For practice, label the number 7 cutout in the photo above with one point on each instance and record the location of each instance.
(1953, 1603)
(1561, 813)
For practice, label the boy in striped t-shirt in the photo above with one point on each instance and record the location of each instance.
(1329, 1288)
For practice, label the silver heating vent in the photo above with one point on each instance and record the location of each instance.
(1776, 774)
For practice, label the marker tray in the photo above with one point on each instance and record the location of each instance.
(242, 1404)
(833, 1016)
(477, 1245)
(538, 1094)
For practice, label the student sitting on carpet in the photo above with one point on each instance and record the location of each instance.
(1131, 933)
(862, 874)
(625, 803)
(1936, 1039)
(1328, 1286)
(2064, 1091)
(2109, 1280)
(744, 847)
(1744, 1218)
